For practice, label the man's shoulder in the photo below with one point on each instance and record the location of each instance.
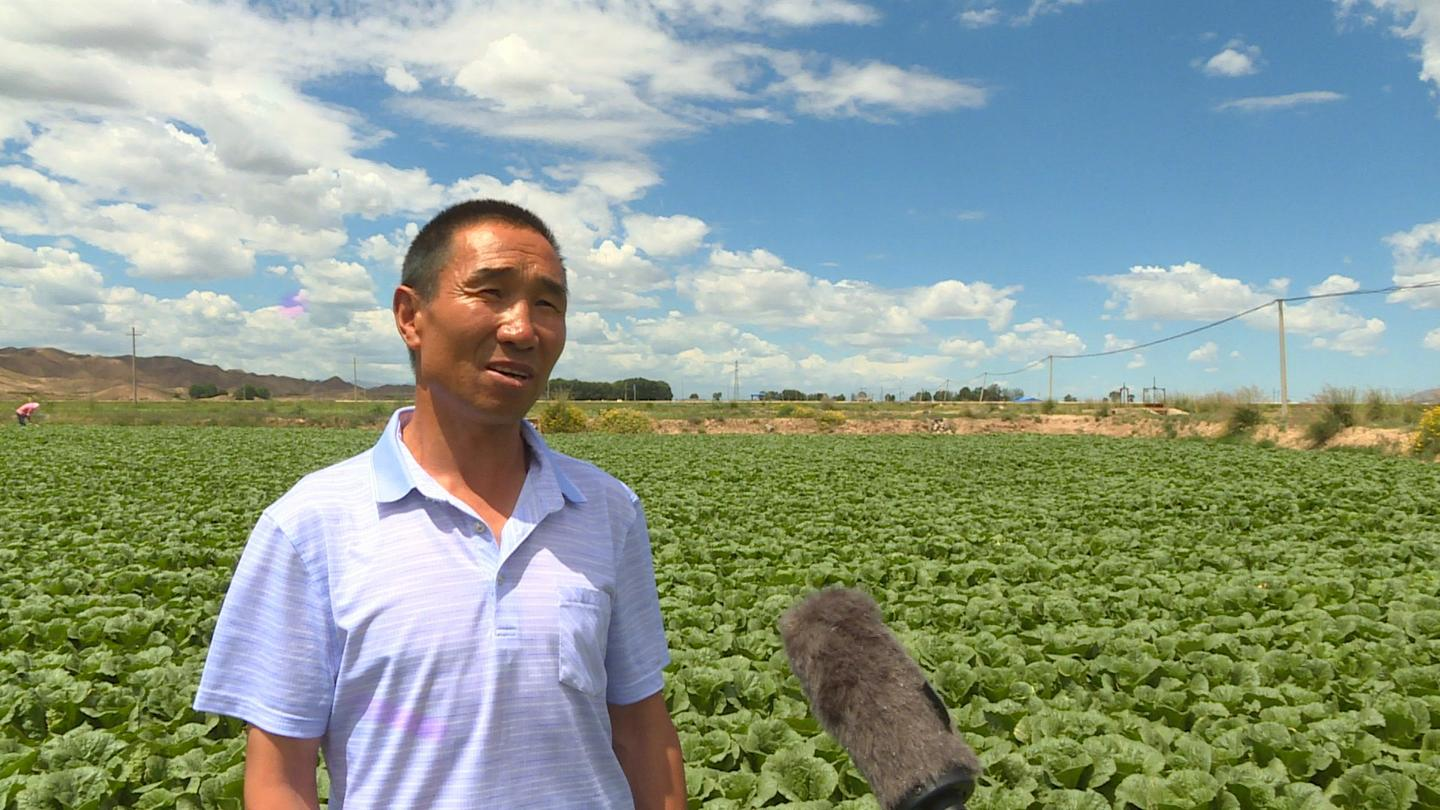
(592, 481)
(328, 492)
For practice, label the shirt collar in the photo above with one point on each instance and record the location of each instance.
(394, 481)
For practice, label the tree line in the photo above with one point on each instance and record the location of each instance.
(210, 391)
(633, 388)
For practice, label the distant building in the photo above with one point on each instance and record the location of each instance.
(861, 397)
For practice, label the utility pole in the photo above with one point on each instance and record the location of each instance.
(1050, 392)
(134, 385)
(984, 383)
(354, 378)
(1284, 383)
(735, 386)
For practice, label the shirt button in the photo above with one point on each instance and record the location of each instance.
(480, 528)
(499, 579)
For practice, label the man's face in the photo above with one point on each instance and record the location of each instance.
(489, 336)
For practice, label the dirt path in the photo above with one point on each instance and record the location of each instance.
(1385, 439)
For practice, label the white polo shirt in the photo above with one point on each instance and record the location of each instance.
(444, 670)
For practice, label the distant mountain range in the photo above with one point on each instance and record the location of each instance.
(56, 374)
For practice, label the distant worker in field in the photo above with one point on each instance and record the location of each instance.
(460, 617)
(26, 412)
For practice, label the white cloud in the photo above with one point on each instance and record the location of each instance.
(1040, 8)
(1137, 360)
(1113, 343)
(874, 89)
(1207, 353)
(1417, 261)
(1337, 326)
(1361, 341)
(751, 14)
(757, 288)
(1282, 102)
(615, 276)
(1183, 292)
(1432, 340)
(399, 78)
(57, 299)
(665, 236)
(979, 17)
(334, 289)
(951, 300)
(1237, 59)
(1035, 339)
(971, 351)
(816, 12)
(1417, 20)
(110, 103)
(588, 327)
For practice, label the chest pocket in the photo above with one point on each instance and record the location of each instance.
(584, 625)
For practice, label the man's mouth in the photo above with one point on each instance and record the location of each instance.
(515, 371)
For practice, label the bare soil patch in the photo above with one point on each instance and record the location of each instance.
(1385, 439)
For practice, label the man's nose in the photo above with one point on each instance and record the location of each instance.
(518, 327)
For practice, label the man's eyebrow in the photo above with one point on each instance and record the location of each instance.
(481, 275)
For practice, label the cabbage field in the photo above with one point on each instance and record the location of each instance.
(1114, 623)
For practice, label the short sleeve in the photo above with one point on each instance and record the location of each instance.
(270, 661)
(636, 653)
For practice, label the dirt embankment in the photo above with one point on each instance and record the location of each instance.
(1386, 439)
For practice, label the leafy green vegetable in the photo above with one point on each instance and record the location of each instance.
(1156, 624)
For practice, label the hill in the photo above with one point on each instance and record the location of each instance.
(57, 374)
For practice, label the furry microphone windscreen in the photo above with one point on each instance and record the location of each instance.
(872, 697)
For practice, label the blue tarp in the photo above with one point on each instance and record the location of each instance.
(1027, 399)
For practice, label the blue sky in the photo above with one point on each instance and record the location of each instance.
(838, 195)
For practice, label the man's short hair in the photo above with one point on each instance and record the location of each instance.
(430, 251)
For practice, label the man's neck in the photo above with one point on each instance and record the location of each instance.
(468, 457)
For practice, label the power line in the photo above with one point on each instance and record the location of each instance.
(1277, 302)
(1223, 321)
(1185, 334)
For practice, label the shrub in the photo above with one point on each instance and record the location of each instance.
(1427, 438)
(1375, 405)
(801, 412)
(560, 416)
(1339, 404)
(1243, 419)
(204, 391)
(1325, 428)
(830, 419)
(1104, 409)
(622, 420)
(1048, 406)
(786, 410)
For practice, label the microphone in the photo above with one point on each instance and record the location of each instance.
(873, 699)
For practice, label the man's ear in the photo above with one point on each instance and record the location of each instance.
(408, 315)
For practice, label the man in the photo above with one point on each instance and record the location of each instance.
(459, 617)
(26, 412)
